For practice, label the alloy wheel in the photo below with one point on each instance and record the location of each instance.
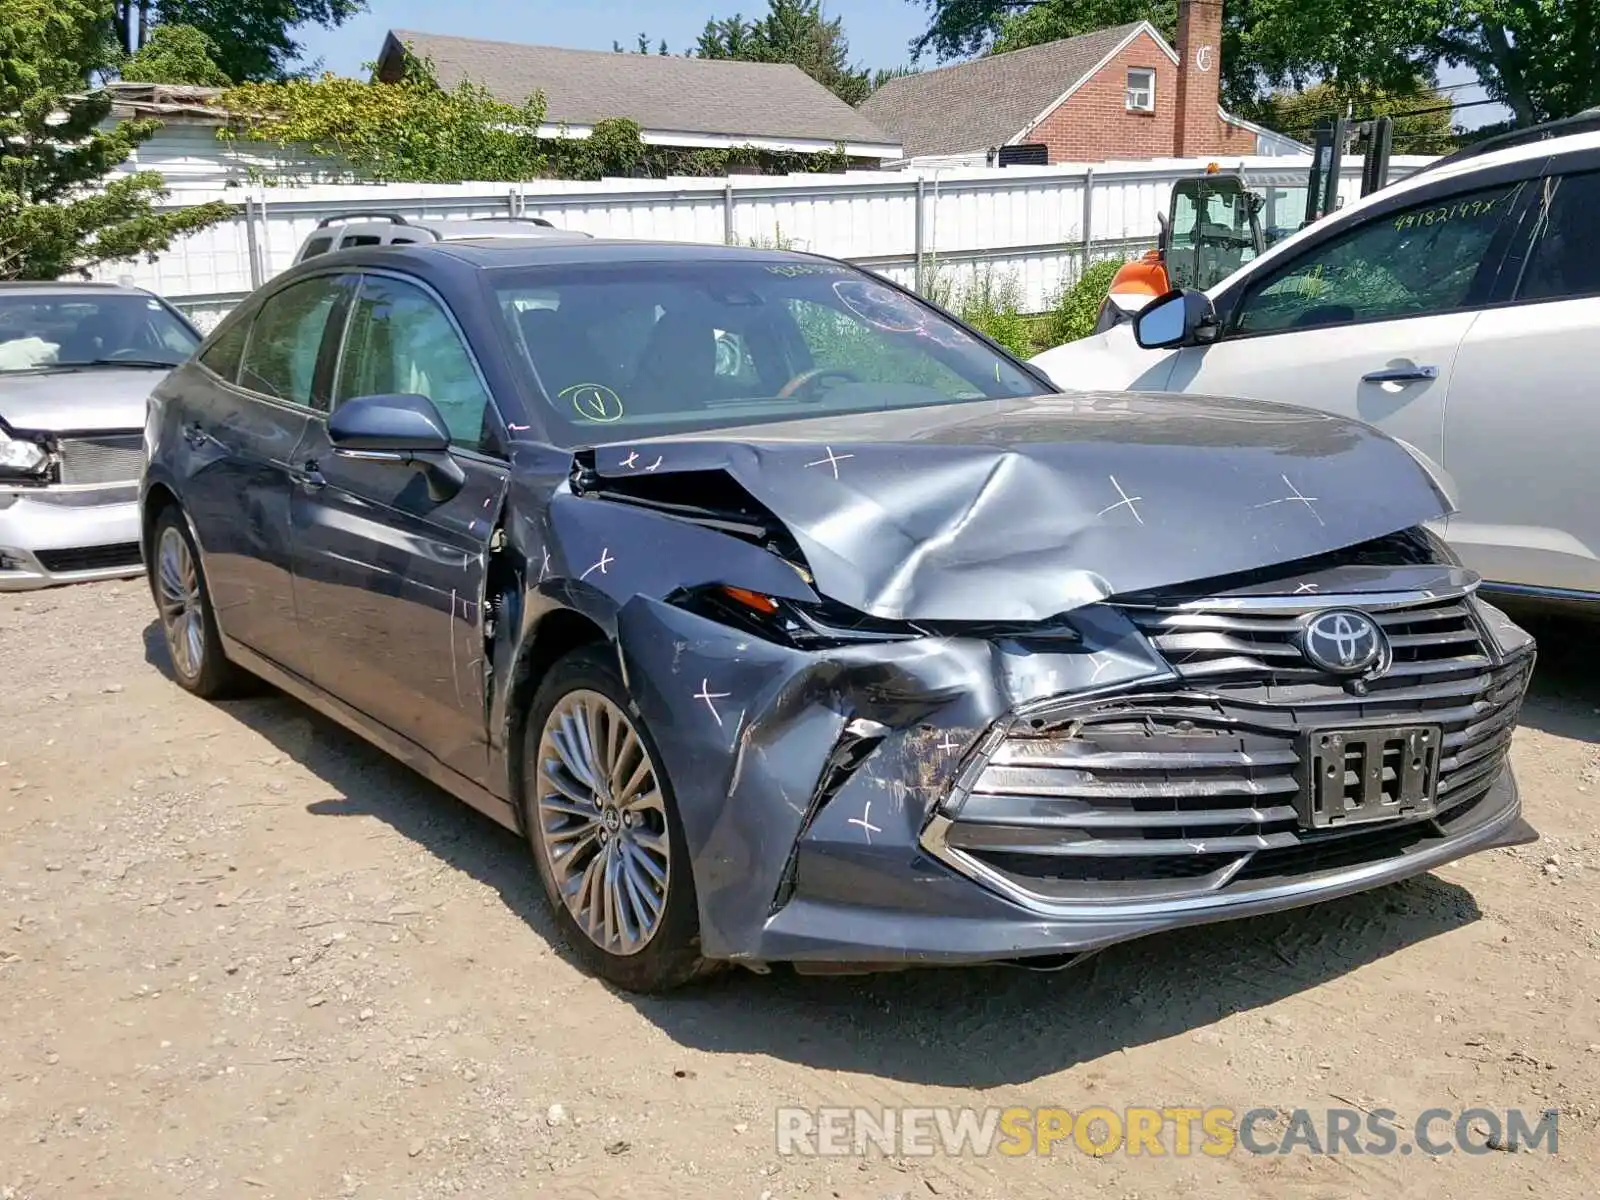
(603, 822)
(182, 611)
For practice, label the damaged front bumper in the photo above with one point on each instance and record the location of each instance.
(976, 923)
(951, 799)
(57, 535)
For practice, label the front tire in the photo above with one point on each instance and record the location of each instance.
(604, 829)
(183, 603)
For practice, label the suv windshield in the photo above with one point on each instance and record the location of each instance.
(685, 346)
(44, 331)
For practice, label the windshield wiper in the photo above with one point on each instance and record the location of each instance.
(117, 362)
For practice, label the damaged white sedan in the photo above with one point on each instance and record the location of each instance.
(77, 362)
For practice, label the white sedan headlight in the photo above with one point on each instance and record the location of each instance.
(20, 457)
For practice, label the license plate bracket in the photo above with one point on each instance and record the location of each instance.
(1359, 775)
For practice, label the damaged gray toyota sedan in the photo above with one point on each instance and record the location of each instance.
(792, 621)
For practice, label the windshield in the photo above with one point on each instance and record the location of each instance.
(685, 346)
(44, 331)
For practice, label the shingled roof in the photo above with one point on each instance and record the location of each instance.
(988, 101)
(663, 93)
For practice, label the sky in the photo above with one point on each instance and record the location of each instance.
(878, 30)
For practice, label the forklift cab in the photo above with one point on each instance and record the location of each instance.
(1213, 228)
(1213, 225)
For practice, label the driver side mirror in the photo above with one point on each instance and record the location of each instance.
(1180, 318)
(403, 428)
(397, 424)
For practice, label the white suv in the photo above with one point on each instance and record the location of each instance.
(1455, 310)
(370, 228)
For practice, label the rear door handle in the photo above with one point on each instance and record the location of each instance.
(1401, 375)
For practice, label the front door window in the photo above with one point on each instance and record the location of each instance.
(401, 340)
(1412, 262)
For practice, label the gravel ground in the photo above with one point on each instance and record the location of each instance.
(243, 954)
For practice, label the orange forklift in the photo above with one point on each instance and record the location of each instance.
(1213, 223)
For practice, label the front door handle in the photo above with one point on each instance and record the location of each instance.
(310, 477)
(1401, 375)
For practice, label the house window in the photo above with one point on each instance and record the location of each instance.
(1141, 89)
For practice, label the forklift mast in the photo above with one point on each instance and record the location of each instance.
(1327, 160)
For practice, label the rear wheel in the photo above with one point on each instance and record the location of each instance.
(184, 605)
(603, 823)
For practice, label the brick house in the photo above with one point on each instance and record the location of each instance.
(1120, 93)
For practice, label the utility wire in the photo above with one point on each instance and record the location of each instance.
(1334, 106)
(1410, 112)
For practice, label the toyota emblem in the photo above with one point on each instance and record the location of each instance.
(1344, 642)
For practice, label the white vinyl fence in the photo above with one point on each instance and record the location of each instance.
(1033, 228)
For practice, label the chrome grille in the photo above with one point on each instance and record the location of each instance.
(1431, 640)
(106, 458)
(1194, 788)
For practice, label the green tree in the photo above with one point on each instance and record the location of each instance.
(176, 54)
(1427, 130)
(59, 214)
(732, 37)
(254, 38)
(884, 74)
(1541, 58)
(644, 46)
(410, 131)
(793, 31)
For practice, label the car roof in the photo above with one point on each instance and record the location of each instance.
(442, 227)
(514, 253)
(70, 286)
(500, 254)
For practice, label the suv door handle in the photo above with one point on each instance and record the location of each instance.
(1401, 375)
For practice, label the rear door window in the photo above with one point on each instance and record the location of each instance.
(1564, 262)
(224, 354)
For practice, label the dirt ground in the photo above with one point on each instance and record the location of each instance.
(242, 954)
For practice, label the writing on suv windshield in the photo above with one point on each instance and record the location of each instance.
(41, 331)
(700, 345)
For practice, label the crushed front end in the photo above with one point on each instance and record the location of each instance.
(891, 793)
(1029, 678)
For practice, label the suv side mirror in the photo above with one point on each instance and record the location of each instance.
(1180, 318)
(403, 428)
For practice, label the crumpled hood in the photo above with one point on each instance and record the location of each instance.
(66, 400)
(1017, 510)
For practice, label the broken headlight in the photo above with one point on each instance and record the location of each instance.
(18, 456)
(815, 625)
(791, 622)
